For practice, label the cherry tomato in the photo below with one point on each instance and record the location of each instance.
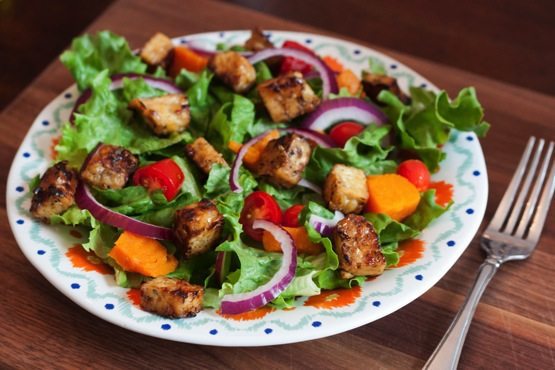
(416, 172)
(259, 206)
(291, 64)
(342, 132)
(164, 175)
(291, 216)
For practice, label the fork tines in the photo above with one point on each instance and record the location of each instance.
(523, 209)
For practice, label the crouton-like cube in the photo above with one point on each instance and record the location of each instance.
(357, 245)
(393, 195)
(287, 97)
(109, 167)
(258, 41)
(198, 227)
(283, 160)
(171, 297)
(204, 154)
(345, 189)
(157, 49)
(55, 192)
(165, 114)
(374, 84)
(234, 70)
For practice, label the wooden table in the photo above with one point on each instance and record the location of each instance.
(514, 326)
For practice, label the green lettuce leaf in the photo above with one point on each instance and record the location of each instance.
(91, 54)
(427, 211)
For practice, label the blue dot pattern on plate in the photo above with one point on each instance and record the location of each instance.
(476, 173)
(75, 286)
(393, 66)
(26, 155)
(376, 303)
(166, 326)
(469, 211)
(423, 85)
(213, 332)
(40, 252)
(451, 243)
(268, 331)
(19, 189)
(316, 324)
(356, 51)
(419, 277)
(20, 222)
(45, 123)
(183, 41)
(469, 138)
(109, 306)
(308, 41)
(67, 95)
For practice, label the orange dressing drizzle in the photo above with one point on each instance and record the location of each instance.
(53, 152)
(249, 315)
(334, 298)
(444, 192)
(410, 251)
(134, 295)
(86, 260)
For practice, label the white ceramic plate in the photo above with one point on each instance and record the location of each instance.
(445, 240)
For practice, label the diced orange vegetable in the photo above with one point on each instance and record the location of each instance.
(333, 64)
(148, 257)
(299, 236)
(349, 80)
(253, 154)
(186, 58)
(393, 195)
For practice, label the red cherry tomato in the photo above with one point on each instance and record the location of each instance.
(291, 216)
(165, 175)
(291, 64)
(416, 172)
(259, 206)
(342, 132)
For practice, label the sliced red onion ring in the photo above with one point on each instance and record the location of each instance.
(85, 200)
(243, 302)
(319, 138)
(310, 185)
(238, 162)
(117, 83)
(329, 84)
(343, 109)
(323, 225)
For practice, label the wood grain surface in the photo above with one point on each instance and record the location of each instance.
(514, 326)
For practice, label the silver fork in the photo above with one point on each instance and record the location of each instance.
(512, 234)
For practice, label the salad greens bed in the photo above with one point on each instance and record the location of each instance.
(221, 116)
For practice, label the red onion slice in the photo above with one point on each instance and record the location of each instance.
(238, 162)
(117, 83)
(85, 200)
(310, 185)
(324, 225)
(243, 302)
(343, 109)
(329, 84)
(319, 138)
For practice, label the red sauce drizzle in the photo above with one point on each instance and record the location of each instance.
(250, 315)
(334, 298)
(86, 260)
(444, 192)
(410, 250)
(134, 295)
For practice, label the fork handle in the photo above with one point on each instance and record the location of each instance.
(448, 351)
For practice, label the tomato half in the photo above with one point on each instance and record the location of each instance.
(164, 175)
(259, 206)
(291, 216)
(342, 132)
(416, 172)
(291, 64)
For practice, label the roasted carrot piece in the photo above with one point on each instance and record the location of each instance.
(253, 154)
(146, 256)
(393, 195)
(333, 64)
(186, 58)
(349, 80)
(299, 236)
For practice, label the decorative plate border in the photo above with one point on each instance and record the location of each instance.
(447, 238)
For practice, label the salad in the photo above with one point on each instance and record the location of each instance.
(247, 176)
